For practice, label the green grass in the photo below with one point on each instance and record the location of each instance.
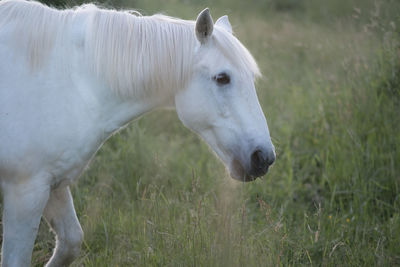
(156, 196)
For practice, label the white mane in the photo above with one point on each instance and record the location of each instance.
(132, 53)
(149, 53)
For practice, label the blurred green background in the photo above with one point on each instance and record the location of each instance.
(156, 196)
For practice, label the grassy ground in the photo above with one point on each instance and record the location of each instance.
(155, 195)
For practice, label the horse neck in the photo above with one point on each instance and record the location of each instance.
(125, 99)
(114, 111)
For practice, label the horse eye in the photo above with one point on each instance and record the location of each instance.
(222, 78)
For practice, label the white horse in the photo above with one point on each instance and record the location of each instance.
(71, 78)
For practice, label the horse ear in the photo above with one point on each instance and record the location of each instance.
(204, 26)
(224, 23)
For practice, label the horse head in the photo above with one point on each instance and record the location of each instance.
(220, 101)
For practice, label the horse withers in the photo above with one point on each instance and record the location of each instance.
(71, 78)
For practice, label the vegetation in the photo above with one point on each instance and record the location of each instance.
(155, 196)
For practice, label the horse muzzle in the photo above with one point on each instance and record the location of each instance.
(256, 166)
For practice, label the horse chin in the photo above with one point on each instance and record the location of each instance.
(238, 172)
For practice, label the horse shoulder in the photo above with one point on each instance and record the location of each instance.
(47, 119)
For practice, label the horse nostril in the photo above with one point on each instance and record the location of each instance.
(258, 160)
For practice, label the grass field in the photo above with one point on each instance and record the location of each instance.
(156, 196)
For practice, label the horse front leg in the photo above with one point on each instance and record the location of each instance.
(61, 216)
(23, 207)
